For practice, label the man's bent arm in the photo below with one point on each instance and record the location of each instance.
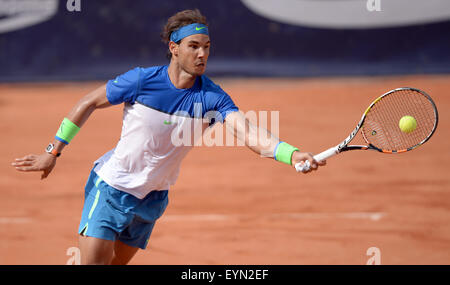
(83, 109)
(78, 115)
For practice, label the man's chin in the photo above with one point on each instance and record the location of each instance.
(199, 70)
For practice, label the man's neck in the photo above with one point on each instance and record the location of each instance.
(180, 78)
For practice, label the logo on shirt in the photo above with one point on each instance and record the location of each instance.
(167, 122)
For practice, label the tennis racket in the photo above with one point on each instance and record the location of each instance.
(379, 125)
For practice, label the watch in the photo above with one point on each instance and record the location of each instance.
(51, 149)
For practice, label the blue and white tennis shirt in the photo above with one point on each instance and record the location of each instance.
(157, 114)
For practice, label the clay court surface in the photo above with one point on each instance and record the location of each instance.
(231, 206)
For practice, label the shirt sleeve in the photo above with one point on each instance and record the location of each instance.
(225, 106)
(124, 88)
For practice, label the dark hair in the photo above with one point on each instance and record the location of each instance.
(179, 20)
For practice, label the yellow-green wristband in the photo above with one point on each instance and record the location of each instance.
(283, 152)
(67, 131)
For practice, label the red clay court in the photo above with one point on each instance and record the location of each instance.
(229, 205)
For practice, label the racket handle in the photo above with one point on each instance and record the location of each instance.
(324, 155)
(304, 166)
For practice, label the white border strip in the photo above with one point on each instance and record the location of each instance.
(373, 216)
(14, 220)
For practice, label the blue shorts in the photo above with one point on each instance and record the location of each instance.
(112, 214)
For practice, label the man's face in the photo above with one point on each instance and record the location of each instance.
(193, 53)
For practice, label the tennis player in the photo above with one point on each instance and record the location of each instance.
(127, 190)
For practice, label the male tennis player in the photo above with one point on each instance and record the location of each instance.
(127, 190)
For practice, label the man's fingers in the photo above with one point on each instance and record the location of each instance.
(306, 166)
(27, 168)
(313, 164)
(22, 163)
(306, 163)
(29, 157)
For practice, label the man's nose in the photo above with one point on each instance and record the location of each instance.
(201, 52)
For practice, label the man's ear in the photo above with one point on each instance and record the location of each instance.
(173, 47)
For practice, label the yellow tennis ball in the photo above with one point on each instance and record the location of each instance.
(407, 124)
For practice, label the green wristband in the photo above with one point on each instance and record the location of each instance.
(284, 152)
(67, 131)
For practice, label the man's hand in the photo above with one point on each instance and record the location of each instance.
(44, 162)
(304, 156)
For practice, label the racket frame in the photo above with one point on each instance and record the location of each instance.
(343, 146)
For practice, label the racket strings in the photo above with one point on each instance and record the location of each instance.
(381, 126)
(407, 105)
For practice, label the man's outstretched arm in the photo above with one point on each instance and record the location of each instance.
(243, 129)
(78, 116)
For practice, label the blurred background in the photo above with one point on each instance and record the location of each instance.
(43, 40)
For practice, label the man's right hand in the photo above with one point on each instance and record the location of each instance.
(44, 162)
(306, 156)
